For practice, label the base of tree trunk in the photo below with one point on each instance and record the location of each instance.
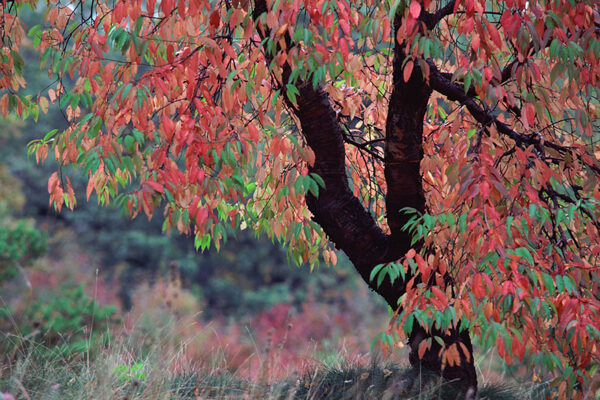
(463, 376)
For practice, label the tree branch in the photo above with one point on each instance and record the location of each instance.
(364, 146)
(431, 20)
(455, 92)
(341, 215)
(404, 145)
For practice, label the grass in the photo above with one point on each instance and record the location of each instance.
(165, 352)
(129, 369)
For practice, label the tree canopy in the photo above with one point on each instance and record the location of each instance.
(449, 148)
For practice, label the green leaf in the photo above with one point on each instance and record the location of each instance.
(524, 253)
(560, 285)
(313, 188)
(291, 93)
(468, 79)
(130, 143)
(548, 282)
(318, 179)
(375, 271)
(462, 223)
(380, 279)
(125, 91)
(139, 136)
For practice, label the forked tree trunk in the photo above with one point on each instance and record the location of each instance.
(353, 229)
(342, 216)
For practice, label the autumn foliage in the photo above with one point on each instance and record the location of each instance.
(486, 112)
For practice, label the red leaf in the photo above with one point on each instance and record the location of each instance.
(494, 34)
(166, 6)
(344, 48)
(423, 346)
(156, 186)
(484, 188)
(529, 115)
(252, 133)
(215, 18)
(477, 287)
(439, 295)
(345, 26)
(201, 216)
(475, 42)
(415, 9)
(408, 70)
(386, 29)
(150, 4)
(181, 8)
(467, 26)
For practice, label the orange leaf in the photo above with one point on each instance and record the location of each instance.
(310, 156)
(488, 309)
(44, 104)
(451, 355)
(424, 268)
(465, 351)
(90, 187)
(333, 257)
(53, 182)
(52, 95)
(281, 30)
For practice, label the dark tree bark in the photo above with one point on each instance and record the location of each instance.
(403, 155)
(344, 219)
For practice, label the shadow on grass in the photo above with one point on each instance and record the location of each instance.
(389, 382)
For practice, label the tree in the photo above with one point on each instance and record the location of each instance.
(449, 148)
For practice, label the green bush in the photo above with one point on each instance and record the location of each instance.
(20, 241)
(69, 324)
(19, 245)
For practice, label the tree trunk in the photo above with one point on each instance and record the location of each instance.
(344, 219)
(403, 155)
(353, 229)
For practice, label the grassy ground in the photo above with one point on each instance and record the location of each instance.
(161, 350)
(129, 368)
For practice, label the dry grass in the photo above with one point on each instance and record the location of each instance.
(149, 362)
